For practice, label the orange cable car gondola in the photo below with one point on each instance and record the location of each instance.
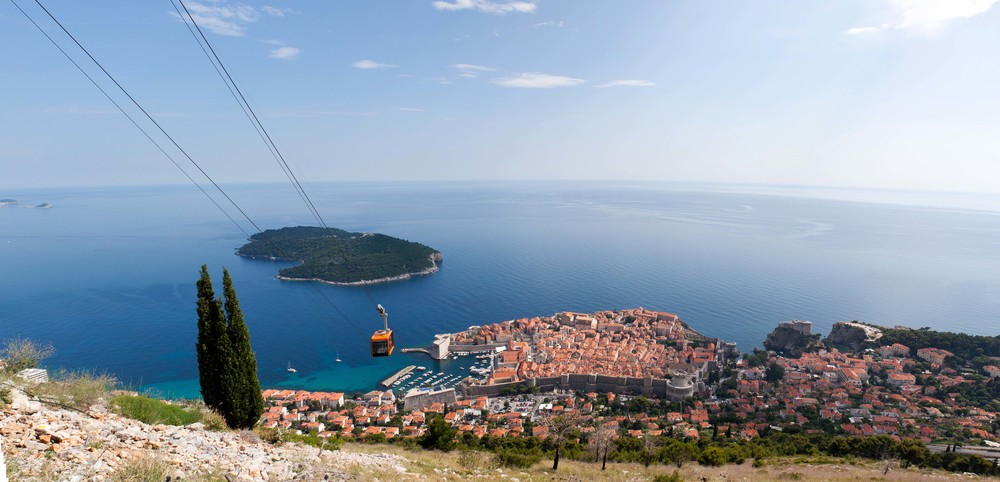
(382, 341)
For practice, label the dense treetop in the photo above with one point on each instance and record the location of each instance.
(967, 348)
(339, 256)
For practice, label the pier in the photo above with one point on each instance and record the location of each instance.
(416, 350)
(389, 381)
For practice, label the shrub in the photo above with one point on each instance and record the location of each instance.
(517, 459)
(153, 411)
(474, 460)
(144, 469)
(79, 389)
(440, 435)
(5, 397)
(374, 438)
(674, 477)
(712, 456)
(214, 421)
(269, 435)
(21, 353)
(759, 462)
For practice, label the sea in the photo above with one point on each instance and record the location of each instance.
(107, 275)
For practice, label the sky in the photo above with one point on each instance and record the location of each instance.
(889, 94)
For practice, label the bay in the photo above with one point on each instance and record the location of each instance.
(107, 275)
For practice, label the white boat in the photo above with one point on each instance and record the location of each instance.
(338, 360)
(290, 369)
(421, 368)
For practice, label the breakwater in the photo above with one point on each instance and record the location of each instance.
(389, 381)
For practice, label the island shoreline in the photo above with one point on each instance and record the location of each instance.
(405, 276)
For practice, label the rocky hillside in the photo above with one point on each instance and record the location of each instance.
(851, 336)
(45, 443)
(41, 442)
(792, 338)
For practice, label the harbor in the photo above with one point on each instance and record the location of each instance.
(388, 382)
(476, 367)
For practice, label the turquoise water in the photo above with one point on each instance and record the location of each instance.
(108, 274)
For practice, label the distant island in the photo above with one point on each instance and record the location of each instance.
(341, 257)
(14, 202)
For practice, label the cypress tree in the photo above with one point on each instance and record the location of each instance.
(245, 401)
(227, 366)
(212, 346)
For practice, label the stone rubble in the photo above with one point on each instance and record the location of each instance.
(39, 439)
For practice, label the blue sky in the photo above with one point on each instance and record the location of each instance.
(899, 94)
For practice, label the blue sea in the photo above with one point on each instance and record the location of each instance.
(107, 275)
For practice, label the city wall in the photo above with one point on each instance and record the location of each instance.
(455, 347)
(419, 400)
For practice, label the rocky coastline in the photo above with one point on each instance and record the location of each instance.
(435, 259)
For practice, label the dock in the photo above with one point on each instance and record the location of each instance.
(416, 350)
(389, 381)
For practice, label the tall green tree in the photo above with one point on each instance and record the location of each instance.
(247, 404)
(212, 345)
(440, 435)
(227, 366)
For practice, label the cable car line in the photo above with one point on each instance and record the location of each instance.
(382, 341)
(148, 116)
(209, 178)
(130, 118)
(269, 141)
(146, 134)
(233, 92)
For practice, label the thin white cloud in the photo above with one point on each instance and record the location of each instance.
(435, 80)
(225, 18)
(486, 6)
(628, 83)
(537, 80)
(863, 30)
(274, 11)
(371, 64)
(408, 109)
(471, 71)
(285, 53)
(928, 16)
(320, 113)
(482, 68)
(550, 23)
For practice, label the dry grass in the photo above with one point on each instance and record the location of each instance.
(144, 469)
(456, 466)
(213, 421)
(24, 470)
(79, 389)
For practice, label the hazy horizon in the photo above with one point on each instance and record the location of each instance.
(965, 201)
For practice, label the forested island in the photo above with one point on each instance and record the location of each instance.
(341, 257)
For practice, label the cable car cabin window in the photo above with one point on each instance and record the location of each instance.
(382, 343)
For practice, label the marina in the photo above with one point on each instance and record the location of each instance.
(439, 377)
(388, 382)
